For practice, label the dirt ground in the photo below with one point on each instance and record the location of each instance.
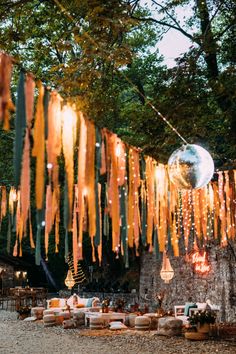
(21, 337)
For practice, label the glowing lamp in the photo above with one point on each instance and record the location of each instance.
(17, 273)
(167, 271)
(69, 281)
(190, 167)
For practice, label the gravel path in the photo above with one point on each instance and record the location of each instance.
(19, 337)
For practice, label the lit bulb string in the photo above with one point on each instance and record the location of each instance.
(149, 103)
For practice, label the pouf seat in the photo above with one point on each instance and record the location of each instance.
(48, 312)
(67, 324)
(142, 323)
(96, 322)
(65, 314)
(56, 312)
(37, 312)
(169, 326)
(79, 318)
(154, 320)
(131, 320)
(49, 320)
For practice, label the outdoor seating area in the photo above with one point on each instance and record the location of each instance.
(117, 176)
(73, 312)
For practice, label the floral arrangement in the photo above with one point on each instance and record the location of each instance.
(119, 305)
(202, 317)
(159, 297)
(105, 305)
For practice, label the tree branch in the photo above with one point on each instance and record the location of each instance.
(166, 24)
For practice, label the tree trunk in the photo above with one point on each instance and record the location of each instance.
(209, 46)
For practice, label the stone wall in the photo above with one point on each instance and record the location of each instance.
(219, 285)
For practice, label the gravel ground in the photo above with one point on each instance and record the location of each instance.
(21, 337)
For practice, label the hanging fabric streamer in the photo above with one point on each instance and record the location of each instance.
(124, 233)
(150, 170)
(90, 178)
(20, 126)
(6, 104)
(113, 192)
(39, 148)
(32, 244)
(99, 215)
(97, 238)
(69, 119)
(81, 190)
(173, 206)
(3, 211)
(54, 128)
(75, 232)
(227, 205)
(29, 99)
(161, 204)
(133, 199)
(48, 218)
(29, 86)
(222, 209)
(25, 181)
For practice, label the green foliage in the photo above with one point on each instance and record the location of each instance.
(202, 317)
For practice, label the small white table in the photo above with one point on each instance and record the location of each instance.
(107, 317)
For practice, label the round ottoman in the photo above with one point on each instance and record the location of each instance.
(142, 323)
(169, 326)
(65, 314)
(154, 320)
(131, 320)
(96, 322)
(49, 320)
(56, 312)
(37, 312)
(68, 324)
(59, 319)
(79, 318)
(48, 312)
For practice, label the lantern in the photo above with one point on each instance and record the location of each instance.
(167, 271)
(190, 167)
(69, 281)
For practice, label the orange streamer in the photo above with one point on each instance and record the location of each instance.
(38, 148)
(6, 104)
(69, 118)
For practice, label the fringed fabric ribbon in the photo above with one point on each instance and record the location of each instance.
(6, 104)
(39, 148)
(69, 119)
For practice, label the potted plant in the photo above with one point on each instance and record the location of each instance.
(201, 320)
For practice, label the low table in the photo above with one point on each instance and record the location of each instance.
(107, 317)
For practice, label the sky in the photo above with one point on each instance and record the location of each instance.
(173, 43)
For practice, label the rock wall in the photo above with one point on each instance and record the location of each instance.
(219, 285)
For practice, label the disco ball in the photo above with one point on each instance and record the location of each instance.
(190, 167)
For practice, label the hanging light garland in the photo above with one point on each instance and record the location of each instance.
(164, 212)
